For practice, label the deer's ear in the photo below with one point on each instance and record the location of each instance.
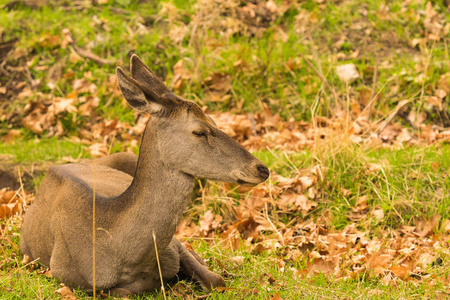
(137, 96)
(211, 120)
(142, 74)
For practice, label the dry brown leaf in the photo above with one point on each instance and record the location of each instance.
(66, 293)
(7, 196)
(441, 94)
(345, 192)
(361, 203)
(33, 123)
(237, 260)
(219, 82)
(321, 265)
(8, 210)
(209, 222)
(276, 297)
(378, 214)
(296, 202)
(435, 101)
(307, 181)
(425, 260)
(446, 226)
(284, 182)
(11, 135)
(347, 73)
(399, 271)
(98, 150)
(379, 262)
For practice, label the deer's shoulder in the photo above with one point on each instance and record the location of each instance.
(108, 181)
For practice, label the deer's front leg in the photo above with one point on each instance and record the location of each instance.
(192, 266)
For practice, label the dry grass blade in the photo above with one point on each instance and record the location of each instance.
(392, 115)
(93, 231)
(159, 266)
(322, 78)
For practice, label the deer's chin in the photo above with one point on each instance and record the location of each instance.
(246, 183)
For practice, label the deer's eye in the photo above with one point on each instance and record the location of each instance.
(199, 133)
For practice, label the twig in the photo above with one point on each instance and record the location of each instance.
(100, 61)
(388, 120)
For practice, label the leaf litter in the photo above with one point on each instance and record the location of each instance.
(406, 253)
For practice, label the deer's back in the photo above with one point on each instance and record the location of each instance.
(108, 182)
(65, 197)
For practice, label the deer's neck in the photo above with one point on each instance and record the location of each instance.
(157, 197)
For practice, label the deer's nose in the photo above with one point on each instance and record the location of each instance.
(263, 171)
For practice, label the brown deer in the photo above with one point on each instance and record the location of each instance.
(137, 199)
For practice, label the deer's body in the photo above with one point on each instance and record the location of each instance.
(136, 198)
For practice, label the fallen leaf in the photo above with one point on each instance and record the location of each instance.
(209, 222)
(26, 259)
(307, 181)
(276, 297)
(66, 293)
(11, 135)
(440, 93)
(435, 101)
(347, 73)
(237, 260)
(321, 265)
(399, 271)
(98, 150)
(8, 210)
(378, 214)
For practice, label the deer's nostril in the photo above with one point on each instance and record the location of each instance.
(263, 171)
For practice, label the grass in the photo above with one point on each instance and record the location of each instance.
(28, 151)
(259, 67)
(408, 183)
(410, 187)
(255, 277)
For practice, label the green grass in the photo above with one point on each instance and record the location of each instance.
(27, 151)
(249, 279)
(262, 76)
(412, 183)
(408, 183)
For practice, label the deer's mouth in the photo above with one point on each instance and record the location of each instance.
(252, 175)
(246, 183)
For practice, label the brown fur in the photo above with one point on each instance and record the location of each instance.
(136, 197)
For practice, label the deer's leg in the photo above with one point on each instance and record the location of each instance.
(65, 271)
(192, 266)
(170, 260)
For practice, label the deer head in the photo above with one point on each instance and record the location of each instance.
(187, 139)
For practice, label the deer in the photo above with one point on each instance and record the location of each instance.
(139, 200)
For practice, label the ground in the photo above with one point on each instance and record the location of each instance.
(346, 102)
